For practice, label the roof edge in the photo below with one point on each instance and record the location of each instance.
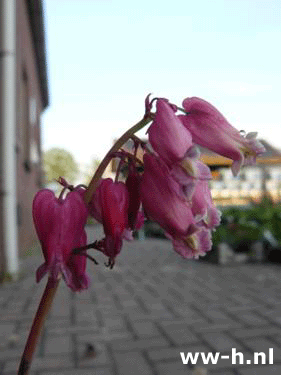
(35, 12)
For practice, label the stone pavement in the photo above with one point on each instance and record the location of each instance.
(138, 317)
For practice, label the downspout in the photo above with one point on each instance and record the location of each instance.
(8, 141)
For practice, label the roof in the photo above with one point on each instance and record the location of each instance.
(35, 11)
(271, 156)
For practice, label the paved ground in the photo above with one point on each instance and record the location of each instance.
(143, 313)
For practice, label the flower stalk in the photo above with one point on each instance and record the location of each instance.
(37, 325)
(123, 139)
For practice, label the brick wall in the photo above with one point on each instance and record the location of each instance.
(29, 106)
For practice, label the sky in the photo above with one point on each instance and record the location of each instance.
(105, 56)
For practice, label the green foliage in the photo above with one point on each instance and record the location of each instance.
(153, 230)
(248, 224)
(5, 277)
(59, 162)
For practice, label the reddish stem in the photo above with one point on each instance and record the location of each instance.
(99, 172)
(37, 325)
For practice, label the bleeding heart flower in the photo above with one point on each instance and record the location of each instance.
(60, 226)
(188, 171)
(194, 244)
(160, 198)
(167, 135)
(163, 204)
(203, 207)
(109, 206)
(210, 129)
(135, 217)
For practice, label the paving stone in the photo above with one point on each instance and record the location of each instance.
(73, 329)
(174, 352)
(86, 316)
(139, 316)
(176, 368)
(90, 371)
(134, 363)
(10, 316)
(31, 372)
(151, 305)
(58, 345)
(129, 345)
(8, 354)
(46, 363)
(160, 314)
(202, 328)
(145, 329)
(61, 309)
(54, 323)
(217, 315)
(277, 338)
(268, 370)
(263, 345)
(256, 332)
(251, 318)
(87, 358)
(180, 335)
(114, 323)
(221, 342)
(6, 331)
(105, 335)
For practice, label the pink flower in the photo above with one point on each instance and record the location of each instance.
(211, 130)
(163, 204)
(167, 135)
(193, 245)
(188, 171)
(109, 206)
(135, 217)
(60, 226)
(160, 199)
(203, 207)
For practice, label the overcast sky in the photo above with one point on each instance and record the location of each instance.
(105, 56)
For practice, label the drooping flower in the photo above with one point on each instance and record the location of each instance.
(203, 207)
(77, 265)
(194, 244)
(59, 224)
(188, 171)
(162, 204)
(167, 135)
(135, 216)
(109, 206)
(210, 129)
(160, 199)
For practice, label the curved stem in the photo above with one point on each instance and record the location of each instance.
(99, 172)
(37, 325)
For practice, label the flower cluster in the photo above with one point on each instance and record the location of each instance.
(168, 185)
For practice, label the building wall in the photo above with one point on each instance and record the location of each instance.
(250, 185)
(29, 108)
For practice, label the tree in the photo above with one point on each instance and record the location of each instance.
(59, 162)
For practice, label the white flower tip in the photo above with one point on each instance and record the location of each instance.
(236, 166)
(252, 135)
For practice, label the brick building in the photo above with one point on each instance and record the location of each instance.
(23, 97)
